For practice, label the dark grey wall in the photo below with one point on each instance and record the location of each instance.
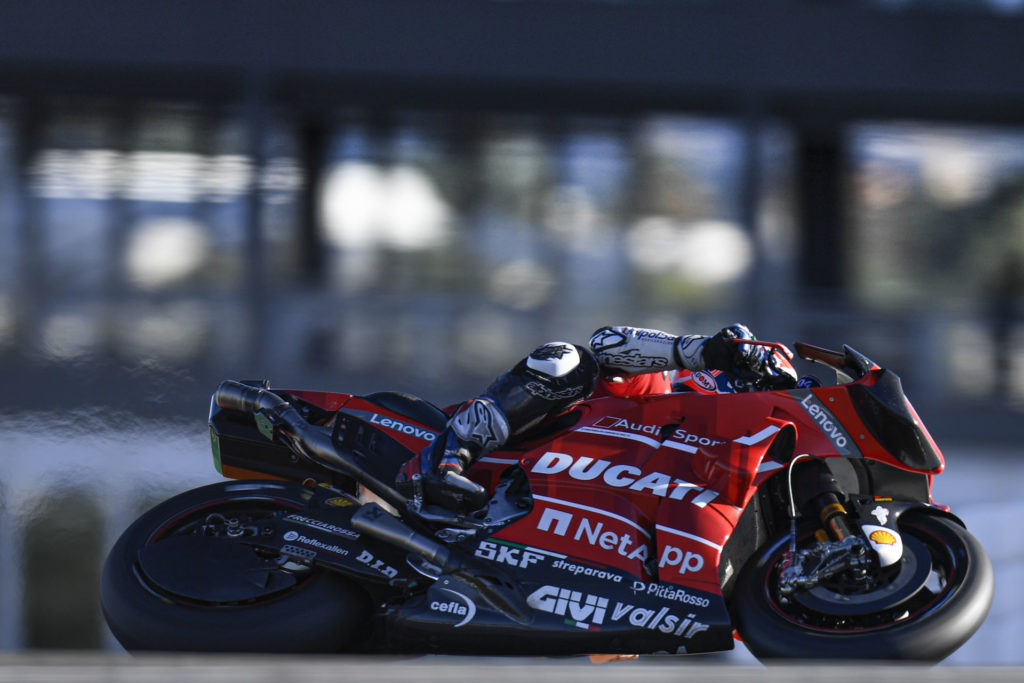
(798, 58)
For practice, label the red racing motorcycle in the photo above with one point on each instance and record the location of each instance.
(799, 520)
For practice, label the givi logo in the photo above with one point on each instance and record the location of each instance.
(590, 611)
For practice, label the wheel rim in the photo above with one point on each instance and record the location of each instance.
(216, 555)
(927, 577)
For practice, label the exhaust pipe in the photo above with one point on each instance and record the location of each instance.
(372, 520)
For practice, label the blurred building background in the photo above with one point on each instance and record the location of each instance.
(410, 195)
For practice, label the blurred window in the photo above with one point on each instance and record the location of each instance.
(936, 210)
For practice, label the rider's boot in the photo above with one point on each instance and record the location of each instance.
(545, 383)
(477, 428)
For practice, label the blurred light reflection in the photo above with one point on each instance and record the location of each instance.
(70, 335)
(154, 176)
(522, 284)
(938, 208)
(708, 252)
(366, 205)
(165, 250)
(6, 320)
(168, 333)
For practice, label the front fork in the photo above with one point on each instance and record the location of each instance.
(842, 546)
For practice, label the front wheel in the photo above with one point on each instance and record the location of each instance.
(191, 575)
(925, 610)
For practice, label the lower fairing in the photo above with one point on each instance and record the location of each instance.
(629, 616)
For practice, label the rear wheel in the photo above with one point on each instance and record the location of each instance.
(190, 575)
(923, 608)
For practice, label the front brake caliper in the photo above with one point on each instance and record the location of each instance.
(809, 567)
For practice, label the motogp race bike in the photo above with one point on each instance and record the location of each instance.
(798, 519)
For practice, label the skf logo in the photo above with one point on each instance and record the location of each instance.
(517, 557)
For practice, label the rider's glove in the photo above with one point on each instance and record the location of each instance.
(721, 352)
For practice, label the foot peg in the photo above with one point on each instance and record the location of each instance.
(450, 490)
(474, 494)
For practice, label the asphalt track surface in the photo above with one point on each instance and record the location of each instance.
(94, 668)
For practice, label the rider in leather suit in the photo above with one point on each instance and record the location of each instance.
(620, 361)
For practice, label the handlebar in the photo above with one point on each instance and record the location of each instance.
(771, 371)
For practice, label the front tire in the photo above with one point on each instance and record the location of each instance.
(184, 578)
(927, 623)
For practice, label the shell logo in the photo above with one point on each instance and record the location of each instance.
(882, 537)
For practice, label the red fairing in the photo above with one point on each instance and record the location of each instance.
(654, 485)
(630, 487)
(664, 478)
(405, 430)
(648, 384)
(324, 399)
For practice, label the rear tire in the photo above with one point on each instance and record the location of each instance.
(285, 609)
(927, 622)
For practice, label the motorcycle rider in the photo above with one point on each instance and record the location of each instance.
(620, 361)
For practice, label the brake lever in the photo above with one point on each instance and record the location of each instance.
(778, 346)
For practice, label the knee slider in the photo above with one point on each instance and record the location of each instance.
(555, 359)
(559, 373)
